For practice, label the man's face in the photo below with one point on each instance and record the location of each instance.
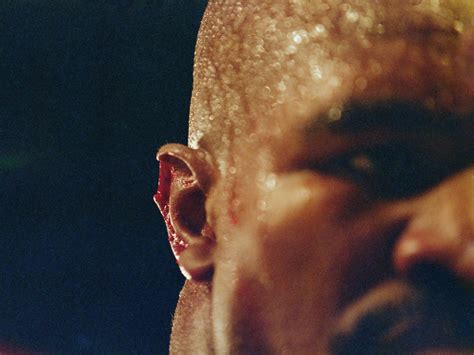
(344, 208)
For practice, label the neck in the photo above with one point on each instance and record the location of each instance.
(192, 326)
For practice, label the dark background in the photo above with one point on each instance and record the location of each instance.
(88, 91)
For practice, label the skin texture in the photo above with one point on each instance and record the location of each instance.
(279, 211)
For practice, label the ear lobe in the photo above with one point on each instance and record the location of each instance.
(185, 178)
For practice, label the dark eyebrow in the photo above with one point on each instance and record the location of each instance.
(394, 116)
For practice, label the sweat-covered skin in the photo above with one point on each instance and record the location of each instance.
(326, 200)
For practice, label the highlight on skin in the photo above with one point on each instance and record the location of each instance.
(246, 49)
(261, 66)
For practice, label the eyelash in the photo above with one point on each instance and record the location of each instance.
(387, 171)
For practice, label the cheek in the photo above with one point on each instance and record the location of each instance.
(285, 261)
(299, 230)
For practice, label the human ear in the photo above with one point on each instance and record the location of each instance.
(185, 178)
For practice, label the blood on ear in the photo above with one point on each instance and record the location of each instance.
(161, 198)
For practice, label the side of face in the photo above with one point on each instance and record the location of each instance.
(335, 168)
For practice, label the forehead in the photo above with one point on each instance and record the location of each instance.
(263, 65)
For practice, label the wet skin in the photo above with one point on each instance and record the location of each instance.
(335, 183)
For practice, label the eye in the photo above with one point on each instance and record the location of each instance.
(387, 171)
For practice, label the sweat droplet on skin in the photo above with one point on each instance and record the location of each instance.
(259, 63)
(270, 181)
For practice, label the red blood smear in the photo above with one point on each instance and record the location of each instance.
(231, 209)
(233, 217)
(164, 183)
(162, 197)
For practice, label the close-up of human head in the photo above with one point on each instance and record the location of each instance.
(325, 201)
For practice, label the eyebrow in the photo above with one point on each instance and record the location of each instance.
(392, 115)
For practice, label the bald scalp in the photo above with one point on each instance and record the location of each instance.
(246, 48)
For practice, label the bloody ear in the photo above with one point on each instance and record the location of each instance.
(185, 178)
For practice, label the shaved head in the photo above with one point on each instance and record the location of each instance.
(325, 202)
(246, 49)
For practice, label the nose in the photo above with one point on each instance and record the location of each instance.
(441, 229)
